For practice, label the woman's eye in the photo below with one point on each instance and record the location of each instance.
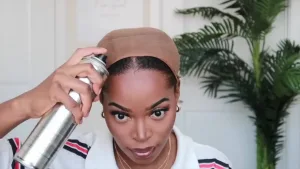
(158, 114)
(120, 117)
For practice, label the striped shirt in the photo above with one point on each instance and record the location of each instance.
(95, 151)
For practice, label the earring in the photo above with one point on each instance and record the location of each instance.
(102, 114)
(177, 108)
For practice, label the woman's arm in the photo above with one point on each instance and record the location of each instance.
(12, 113)
(54, 89)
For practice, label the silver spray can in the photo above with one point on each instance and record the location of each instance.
(54, 128)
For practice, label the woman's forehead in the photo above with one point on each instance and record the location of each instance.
(137, 85)
(138, 79)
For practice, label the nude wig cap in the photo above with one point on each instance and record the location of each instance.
(144, 41)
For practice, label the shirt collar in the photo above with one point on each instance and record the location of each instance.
(101, 154)
(185, 157)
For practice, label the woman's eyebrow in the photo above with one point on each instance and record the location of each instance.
(119, 106)
(157, 103)
(149, 108)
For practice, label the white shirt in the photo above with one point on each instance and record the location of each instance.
(95, 151)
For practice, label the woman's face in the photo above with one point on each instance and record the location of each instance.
(140, 111)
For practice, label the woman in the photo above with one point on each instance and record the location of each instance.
(139, 100)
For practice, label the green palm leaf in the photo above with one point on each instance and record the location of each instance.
(198, 52)
(286, 69)
(232, 78)
(208, 13)
(225, 29)
(290, 82)
(267, 87)
(242, 7)
(269, 9)
(288, 47)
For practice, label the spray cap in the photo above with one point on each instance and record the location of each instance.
(101, 57)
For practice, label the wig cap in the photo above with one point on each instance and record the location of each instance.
(144, 41)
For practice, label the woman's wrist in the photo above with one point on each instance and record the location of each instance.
(21, 107)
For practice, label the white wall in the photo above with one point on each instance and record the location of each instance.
(42, 35)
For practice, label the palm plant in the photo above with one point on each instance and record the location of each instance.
(268, 86)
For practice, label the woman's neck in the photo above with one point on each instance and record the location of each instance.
(164, 161)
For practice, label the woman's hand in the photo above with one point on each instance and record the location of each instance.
(56, 87)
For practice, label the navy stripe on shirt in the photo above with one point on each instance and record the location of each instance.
(77, 147)
(14, 146)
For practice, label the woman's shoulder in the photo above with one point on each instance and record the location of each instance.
(80, 143)
(84, 137)
(206, 155)
(210, 157)
(88, 140)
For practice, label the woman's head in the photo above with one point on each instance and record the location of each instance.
(139, 102)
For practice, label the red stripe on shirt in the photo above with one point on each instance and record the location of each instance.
(211, 165)
(18, 145)
(77, 147)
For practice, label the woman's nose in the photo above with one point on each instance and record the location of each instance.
(141, 133)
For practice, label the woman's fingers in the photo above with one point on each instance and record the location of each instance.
(82, 52)
(57, 86)
(87, 70)
(74, 76)
(58, 95)
(84, 90)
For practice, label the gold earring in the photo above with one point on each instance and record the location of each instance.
(177, 108)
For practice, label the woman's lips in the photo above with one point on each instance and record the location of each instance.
(143, 152)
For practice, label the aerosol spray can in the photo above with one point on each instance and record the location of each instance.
(54, 128)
